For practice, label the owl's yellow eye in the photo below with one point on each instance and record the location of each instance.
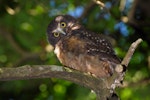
(62, 24)
(56, 34)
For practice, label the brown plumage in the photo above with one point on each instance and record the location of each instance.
(81, 49)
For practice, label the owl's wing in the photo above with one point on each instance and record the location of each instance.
(103, 48)
(96, 44)
(84, 54)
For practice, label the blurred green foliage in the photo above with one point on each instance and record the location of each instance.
(23, 40)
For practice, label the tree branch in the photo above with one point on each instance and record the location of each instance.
(130, 52)
(101, 4)
(124, 64)
(101, 86)
(52, 71)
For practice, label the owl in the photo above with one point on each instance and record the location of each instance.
(80, 49)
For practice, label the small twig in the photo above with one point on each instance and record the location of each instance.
(99, 3)
(130, 52)
(124, 63)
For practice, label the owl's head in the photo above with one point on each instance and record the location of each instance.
(60, 27)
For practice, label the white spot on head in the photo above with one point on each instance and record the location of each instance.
(70, 24)
(73, 26)
(58, 18)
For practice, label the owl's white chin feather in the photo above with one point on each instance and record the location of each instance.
(57, 51)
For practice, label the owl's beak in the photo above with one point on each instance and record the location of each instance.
(60, 30)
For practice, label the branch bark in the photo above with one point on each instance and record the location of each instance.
(100, 86)
(52, 71)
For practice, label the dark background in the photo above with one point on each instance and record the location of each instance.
(23, 41)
